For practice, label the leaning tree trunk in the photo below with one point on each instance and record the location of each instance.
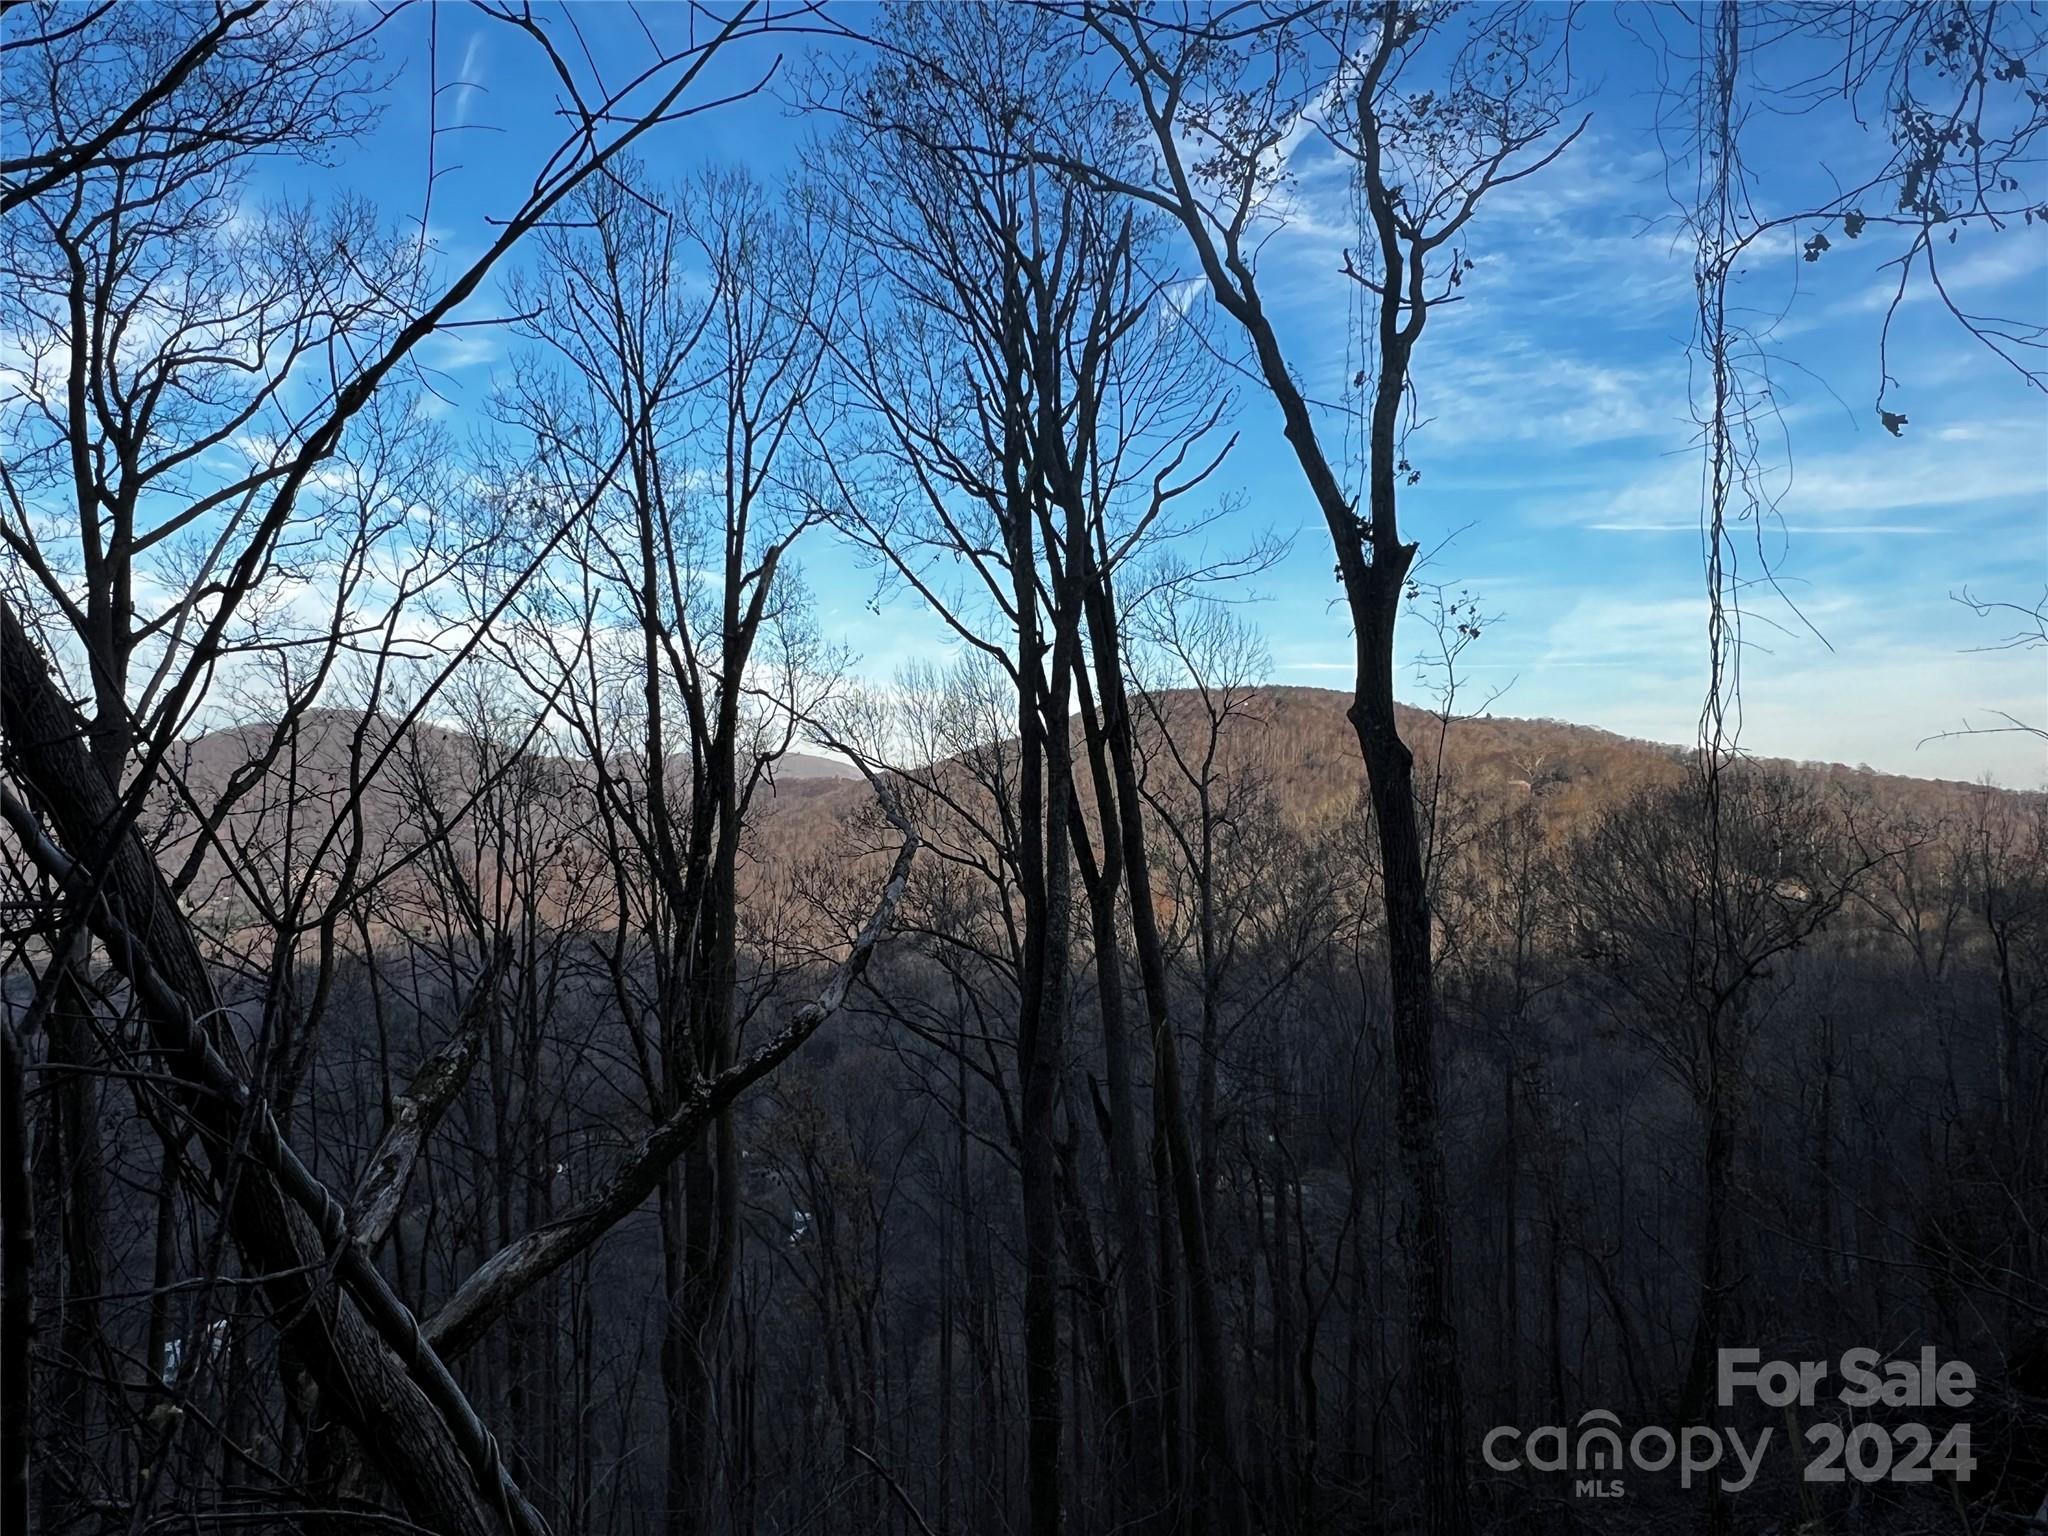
(131, 911)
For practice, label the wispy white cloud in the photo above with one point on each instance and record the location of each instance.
(1991, 467)
(1996, 263)
(1525, 388)
(469, 81)
(1825, 529)
(469, 347)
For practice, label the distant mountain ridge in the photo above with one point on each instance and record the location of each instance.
(1306, 735)
(1297, 743)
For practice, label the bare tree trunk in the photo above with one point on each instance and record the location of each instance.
(1716, 1164)
(1373, 560)
(1437, 1398)
(693, 1330)
(1697, 1401)
(17, 1264)
(1214, 1440)
(1148, 1500)
(1042, 1055)
(76, 1191)
(1511, 1240)
(1172, 1334)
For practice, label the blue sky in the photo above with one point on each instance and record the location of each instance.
(1559, 480)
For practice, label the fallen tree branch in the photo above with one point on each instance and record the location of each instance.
(419, 1109)
(514, 1269)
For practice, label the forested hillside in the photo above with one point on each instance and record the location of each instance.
(1890, 1024)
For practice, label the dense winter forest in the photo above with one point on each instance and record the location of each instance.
(511, 1026)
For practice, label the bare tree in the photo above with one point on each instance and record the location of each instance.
(1428, 138)
(1686, 917)
(694, 660)
(1032, 423)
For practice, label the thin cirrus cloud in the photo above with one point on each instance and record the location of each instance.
(1979, 270)
(1823, 529)
(468, 84)
(1988, 473)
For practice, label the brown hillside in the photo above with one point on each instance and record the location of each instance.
(1297, 743)
(1300, 741)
